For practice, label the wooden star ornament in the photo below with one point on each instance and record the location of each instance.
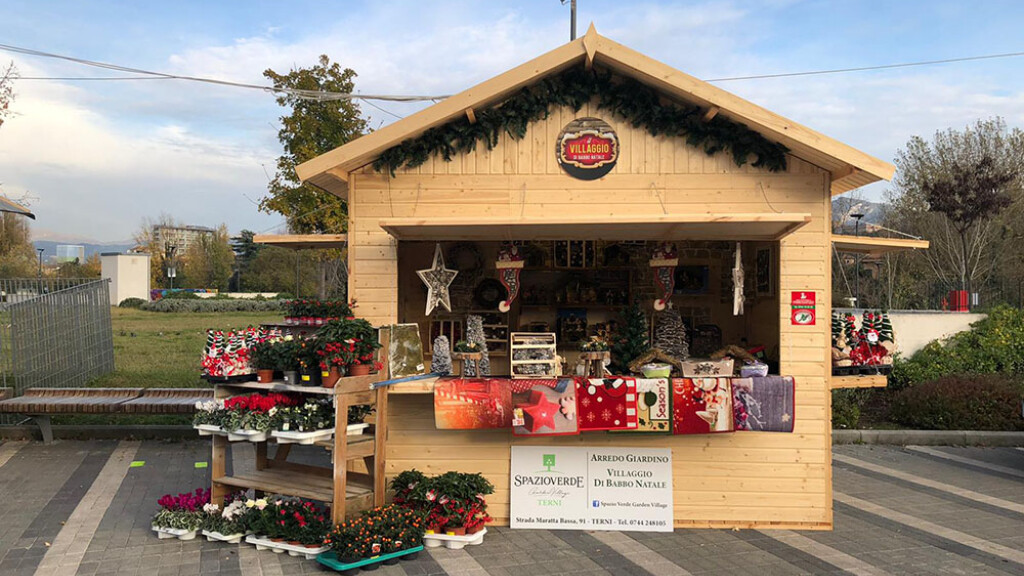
(438, 279)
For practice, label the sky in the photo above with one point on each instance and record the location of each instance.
(95, 158)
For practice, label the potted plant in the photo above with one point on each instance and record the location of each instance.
(180, 516)
(377, 535)
(263, 358)
(363, 343)
(348, 344)
(286, 354)
(309, 363)
(227, 524)
(209, 417)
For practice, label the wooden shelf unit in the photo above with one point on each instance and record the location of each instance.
(344, 490)
(533, 341)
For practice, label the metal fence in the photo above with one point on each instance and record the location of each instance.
(60, 337)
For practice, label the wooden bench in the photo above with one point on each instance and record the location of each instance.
(41, 403)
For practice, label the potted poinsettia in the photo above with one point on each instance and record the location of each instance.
(180, 516)
(262, 356)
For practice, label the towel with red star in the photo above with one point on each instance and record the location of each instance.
(606, 403)
(545, 408)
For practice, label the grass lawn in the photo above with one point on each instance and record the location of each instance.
(162, 350)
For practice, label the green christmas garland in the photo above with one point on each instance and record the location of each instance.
(628, 98)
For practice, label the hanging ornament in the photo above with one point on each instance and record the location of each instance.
(664, 261)
(510, 264)
(737, 283)
(438, 279)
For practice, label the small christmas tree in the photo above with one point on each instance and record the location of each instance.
(850, 330)
(837, 329)
(670, 334)
(885, 333)
(632, 340)
(475, 333)
(441, 363)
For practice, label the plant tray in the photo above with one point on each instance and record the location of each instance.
(167, 533)
(310, 438)
(218, 537)
(209, 430)
(453, 542)
(330, 559)
(289, 437)
(229, 379)
(282, 547)
(247, 436)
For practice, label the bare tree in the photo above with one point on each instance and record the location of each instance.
(961, 190)
(7, 77)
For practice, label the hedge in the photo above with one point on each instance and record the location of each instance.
(961, 402)
(214, 305)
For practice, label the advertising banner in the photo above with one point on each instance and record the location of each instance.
(583, 488)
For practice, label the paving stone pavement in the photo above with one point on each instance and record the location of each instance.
(79, 507)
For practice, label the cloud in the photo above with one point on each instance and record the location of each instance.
(100, 156)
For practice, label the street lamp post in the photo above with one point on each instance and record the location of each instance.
(40, 250)
(856, 232)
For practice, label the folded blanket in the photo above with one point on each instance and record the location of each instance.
(765, 404)
(472, 403)
(701, 406)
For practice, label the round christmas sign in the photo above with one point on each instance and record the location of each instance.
(587, 148)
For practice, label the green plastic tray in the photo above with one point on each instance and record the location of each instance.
(330, 559)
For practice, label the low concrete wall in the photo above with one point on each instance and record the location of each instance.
(916, 328)
(242, 295)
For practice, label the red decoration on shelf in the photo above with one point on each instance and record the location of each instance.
(664, 261)
(510, 264)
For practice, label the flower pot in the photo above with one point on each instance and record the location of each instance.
(359, 369)
(265, 376)
(291, 377)
(455, 531)
(329, 379)
(294, 543)
(318, 321)
(309, 379)
(475, 529)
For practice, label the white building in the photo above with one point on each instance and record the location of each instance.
(128, 274)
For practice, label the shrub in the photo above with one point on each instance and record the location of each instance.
(199, 305)
(131, 303)
(285, 296)
(962, 402)
(993, 345)
(845, 408)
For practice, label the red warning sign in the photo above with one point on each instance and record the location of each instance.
(803, 310)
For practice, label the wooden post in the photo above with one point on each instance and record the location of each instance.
(218, 468)
(380, 441)
(340, 455)
(261, 455)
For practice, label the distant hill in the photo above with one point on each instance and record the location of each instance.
(874, 213)
(50, 247)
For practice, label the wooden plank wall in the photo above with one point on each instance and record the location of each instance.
(734, 480)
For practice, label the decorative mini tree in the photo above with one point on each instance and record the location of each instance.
(631, 341)
(441, 363)
(475, 333)
(670, 334)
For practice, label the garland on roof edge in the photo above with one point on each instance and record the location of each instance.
(628, 98)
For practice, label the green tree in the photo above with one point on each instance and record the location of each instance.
(311, 128)
(209, 261)
(17, 255)
(91, 268)
(245, 250)
(273, 270)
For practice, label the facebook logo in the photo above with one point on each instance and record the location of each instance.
(597, 504)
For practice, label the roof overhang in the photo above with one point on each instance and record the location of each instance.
(302, 241)
(657, 227)
(15, 208)
(849, 167)
(874, 246)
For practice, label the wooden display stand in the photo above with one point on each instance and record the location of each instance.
(593, 363)
(464, 358)
(344, 490)
(533, 341)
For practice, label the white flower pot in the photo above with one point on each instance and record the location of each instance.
(247, 436)
(217, 536)
(209, 430)
(166, 533)
(453, 542)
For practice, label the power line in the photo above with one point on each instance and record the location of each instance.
(299, 93)
(867, 68)
(329, 96)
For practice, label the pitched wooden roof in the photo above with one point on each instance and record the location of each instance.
(850, 168)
